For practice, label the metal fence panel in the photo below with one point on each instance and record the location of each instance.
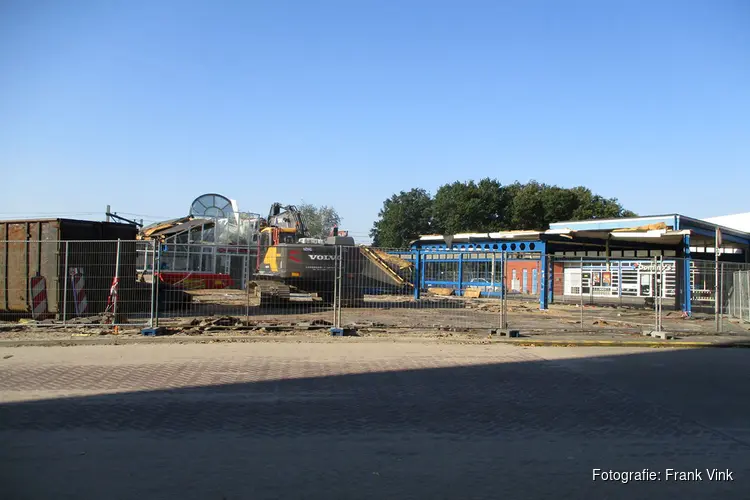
(396, 288)
(74, 282)
(230, 286)
(738, 295)
(590, 293)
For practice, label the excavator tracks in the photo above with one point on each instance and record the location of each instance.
(270, 293)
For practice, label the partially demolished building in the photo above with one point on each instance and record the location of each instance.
(211, 247)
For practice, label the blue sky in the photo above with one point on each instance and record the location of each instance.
(146, 105)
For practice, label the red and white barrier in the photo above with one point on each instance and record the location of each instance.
(79, 291)
(112, 299)
(38, 296)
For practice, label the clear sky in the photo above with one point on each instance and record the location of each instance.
(145, 105)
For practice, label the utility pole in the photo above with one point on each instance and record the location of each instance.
(108, 212)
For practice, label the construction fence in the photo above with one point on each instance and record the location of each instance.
(148, 284)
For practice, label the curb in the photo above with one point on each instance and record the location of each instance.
(522, 341)
(626, 343)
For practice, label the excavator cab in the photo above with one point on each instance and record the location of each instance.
(271, 236)
(284, 225)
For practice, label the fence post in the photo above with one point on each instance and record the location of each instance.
(460, 274)
(655, 293)
(115, 284)
(721, 298)
(492, 274)
(418, 272)
(737, 300)
(65, 284)
(341, 285)
(246, 279)
(153, 282)
(739, 289)
(504, 288)
(543, 279)
(716, 289)
(743, 290)
(660, 291)
(580, 290)
(747, 291)
(654, 284)
(338, 257)
(335, 283)
(660, 272)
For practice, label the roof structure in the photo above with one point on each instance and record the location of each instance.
(701, 231)
(740, 222)
(657, 229)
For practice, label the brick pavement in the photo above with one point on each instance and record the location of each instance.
(347, 420)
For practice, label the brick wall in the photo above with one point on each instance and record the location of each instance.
(558, 288)
(518, 266)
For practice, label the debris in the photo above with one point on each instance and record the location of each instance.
(369, 324)
(343, 332)
(214, 322)
(225, 321)
(89, 320)
(153, 332)
(510, 333)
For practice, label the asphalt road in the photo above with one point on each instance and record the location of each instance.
(375, 420)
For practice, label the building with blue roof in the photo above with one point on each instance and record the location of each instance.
(612, 260)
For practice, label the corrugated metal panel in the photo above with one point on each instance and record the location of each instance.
(32, 247)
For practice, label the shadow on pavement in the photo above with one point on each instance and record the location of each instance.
(527, 427)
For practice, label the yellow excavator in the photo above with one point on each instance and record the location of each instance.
(290, 261)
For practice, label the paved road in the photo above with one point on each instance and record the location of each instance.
(377, 420)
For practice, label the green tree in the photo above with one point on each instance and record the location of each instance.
(487, 206)
(591, 206)
(559, 204)
(319, 220)
(404, 217)
(469, 206)
(527, 209)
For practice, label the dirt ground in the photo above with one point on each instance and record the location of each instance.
(230, 312)
(442, 312)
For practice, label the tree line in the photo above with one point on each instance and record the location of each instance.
(486, 206)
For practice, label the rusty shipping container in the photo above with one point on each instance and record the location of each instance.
(31, 248)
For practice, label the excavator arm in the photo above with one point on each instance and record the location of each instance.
(287, 216)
